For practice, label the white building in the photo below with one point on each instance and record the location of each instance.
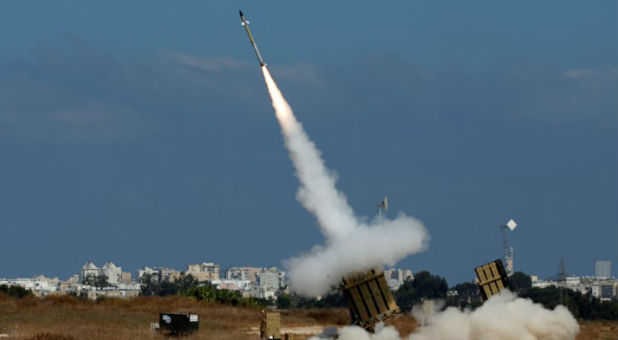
(147, 270)
(240, 285)
(112, 272)
(89, 269)
(205, 271)
(605, 289)
(243, 273)
(39, 285)
(396, 277)
(269, 279)
(603, 269)
(158, 274)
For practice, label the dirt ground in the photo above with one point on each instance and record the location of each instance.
(66, 317)
(605, 330)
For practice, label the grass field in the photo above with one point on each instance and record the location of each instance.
(66, 317)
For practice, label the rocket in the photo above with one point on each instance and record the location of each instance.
(245, 23)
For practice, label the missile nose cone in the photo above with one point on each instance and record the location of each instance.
(240, 12)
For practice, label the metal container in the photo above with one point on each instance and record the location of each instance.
(492, 279)
(179, 324)
(368, 297)
(270, 327)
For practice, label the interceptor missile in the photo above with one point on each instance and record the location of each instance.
(245, 23)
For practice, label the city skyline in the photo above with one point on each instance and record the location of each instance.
(225, 270)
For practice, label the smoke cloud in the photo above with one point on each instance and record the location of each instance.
(503, 316)
(351, 245)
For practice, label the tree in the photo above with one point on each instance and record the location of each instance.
(332, 299)
(467, 290)
(186, 282)
(468, 296)
(520, 282)
(284, 301)
(608, 310)
(429, 286)
(581, 306)
(89, 280)
(209, 293)
(100, 281)
(423, 286)
(149, 284)
(15, 291)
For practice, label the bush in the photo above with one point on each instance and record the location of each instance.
(582, 306)
(423, 286)
(15, 291)
(211, 294)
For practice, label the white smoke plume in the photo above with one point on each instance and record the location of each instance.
(503, 316)
(351, 245)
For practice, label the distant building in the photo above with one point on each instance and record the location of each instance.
(147, 271)
(603, 269)
(109, 270)
(605, 289)
(396, 277)
(125, 277)
(240, 285)
(122, 291)
(206, 271)
(398, 274)
(112, 272)
(243, 273)
(168, 274)
(89, 269)
(73, 279)
(158, 274)
(270, 279)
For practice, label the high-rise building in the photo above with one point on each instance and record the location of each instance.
(243, 273)
(270, 278)
(206, 271)
(109, 270)
(603, 269)
(112, 272)
(125, 277)
(153, 272)
(89, 269)
(398, 274)
(396, 277)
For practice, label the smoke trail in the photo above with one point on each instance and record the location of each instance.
(503, 316)
(351, 245)
(317, 191)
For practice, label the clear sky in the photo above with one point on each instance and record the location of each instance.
(142, 132)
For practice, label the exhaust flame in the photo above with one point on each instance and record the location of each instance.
(351, 245)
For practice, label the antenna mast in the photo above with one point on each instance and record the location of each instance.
(383, 205)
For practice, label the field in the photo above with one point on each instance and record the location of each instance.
(66, 317)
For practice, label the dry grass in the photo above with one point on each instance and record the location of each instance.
(404, 323)
(66, 317)
(604, 330)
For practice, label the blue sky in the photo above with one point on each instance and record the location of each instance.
(142, 132)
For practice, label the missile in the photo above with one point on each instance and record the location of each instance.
(245, 23)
